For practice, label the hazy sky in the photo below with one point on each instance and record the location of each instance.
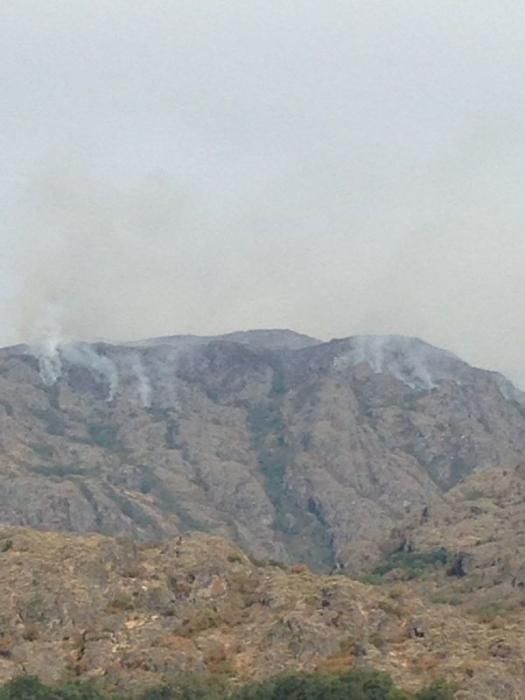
(336, 167)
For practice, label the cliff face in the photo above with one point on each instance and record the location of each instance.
(295, 449)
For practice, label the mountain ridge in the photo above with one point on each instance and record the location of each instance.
(310, 453)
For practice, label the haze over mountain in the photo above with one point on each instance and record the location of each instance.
(341, 168)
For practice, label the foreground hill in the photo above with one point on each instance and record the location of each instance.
(297, 450)
(134, 615)
(481, 524)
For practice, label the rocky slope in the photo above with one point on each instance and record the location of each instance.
(465, 558)
(133, 615)
(297, 450)
(481, 522)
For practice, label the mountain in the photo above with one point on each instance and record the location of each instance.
(296, 449)
(274, 339)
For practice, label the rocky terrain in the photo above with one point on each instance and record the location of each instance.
(297, 450)
(481, 523)
(132, 615)
(377, 459)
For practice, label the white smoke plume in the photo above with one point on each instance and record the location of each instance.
(46, 345)
(143, 381)
(415, 363)
(84, 355)
(49, 343)
(51, 348)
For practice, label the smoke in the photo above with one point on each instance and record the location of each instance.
(143, 381)
(83, 355)
(96, 261)
(52, 355)
(416, 364)
(46, 342)
(335, 168)
(93, 261)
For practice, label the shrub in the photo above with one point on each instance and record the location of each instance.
(30, 688)
(414, 563)
(279, 384)
(437, 691)
(104, 435)
(377, 639)
(122, 602)
(264, 419)
(59, 470)
(45, 452)
(187, 687)
(24, 688)
(488, 612)
(352, 685)
(6, 545)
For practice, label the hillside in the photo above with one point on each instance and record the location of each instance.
(295, 449)
(481, 523)
(134, 615)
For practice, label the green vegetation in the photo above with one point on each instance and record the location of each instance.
(104, 435)
(264, 420)
(131, 509)
(437, 691)
(371, 579)
(54, 420)
(414, 564)
(353, 685)
(172, 437)
(45, 452)
(60, 470)
(29, 688)
(267, 431)
(488, 612)
(121, 603)
(304, 531)
(279, 384)
(186, 521)
(187, 687)
(447, 599)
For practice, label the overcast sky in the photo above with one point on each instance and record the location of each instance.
(335, 167)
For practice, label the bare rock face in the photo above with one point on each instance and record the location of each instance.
(295, 449)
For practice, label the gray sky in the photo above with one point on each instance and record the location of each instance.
(336, 167)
